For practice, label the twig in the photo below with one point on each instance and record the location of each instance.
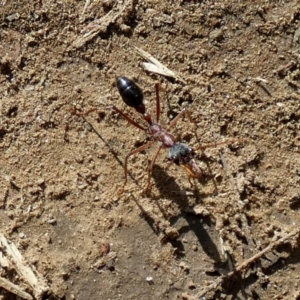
(156, 66)
(36, 282)
(284, 68)
(101, 25)
(244, 264)
(87, 3)
(14, 289)
(259, 79)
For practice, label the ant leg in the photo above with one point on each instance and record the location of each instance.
(137, 150)
(211, 145)
(75, 111)
(174, 121)
(151, 168)
(128, 119)
(157, 102)
(116, 110)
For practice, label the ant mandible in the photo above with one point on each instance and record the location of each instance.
(179, 153)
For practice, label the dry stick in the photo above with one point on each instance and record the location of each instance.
(36, 281)
(155, 66)
(243, 265)
(100, 25)
(87, 3)
(14, 289)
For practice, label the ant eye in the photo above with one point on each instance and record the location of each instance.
(176, 160)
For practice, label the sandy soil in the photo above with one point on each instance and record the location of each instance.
(61, 173)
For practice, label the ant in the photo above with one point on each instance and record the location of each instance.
(179, 153)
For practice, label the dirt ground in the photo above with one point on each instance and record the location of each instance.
(61, 174)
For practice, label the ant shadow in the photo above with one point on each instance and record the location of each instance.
(151, 222)
(171, 190)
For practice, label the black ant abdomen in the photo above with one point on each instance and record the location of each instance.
(131, 94)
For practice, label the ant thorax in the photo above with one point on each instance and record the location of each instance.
(181, 154)
(159, 134)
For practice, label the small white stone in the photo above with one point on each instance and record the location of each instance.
(22, 235)
(149, 279)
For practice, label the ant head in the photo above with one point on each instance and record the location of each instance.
(180, 153)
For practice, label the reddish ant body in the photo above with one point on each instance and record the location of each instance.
(179, 153)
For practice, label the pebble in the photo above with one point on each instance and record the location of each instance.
(149, 279)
